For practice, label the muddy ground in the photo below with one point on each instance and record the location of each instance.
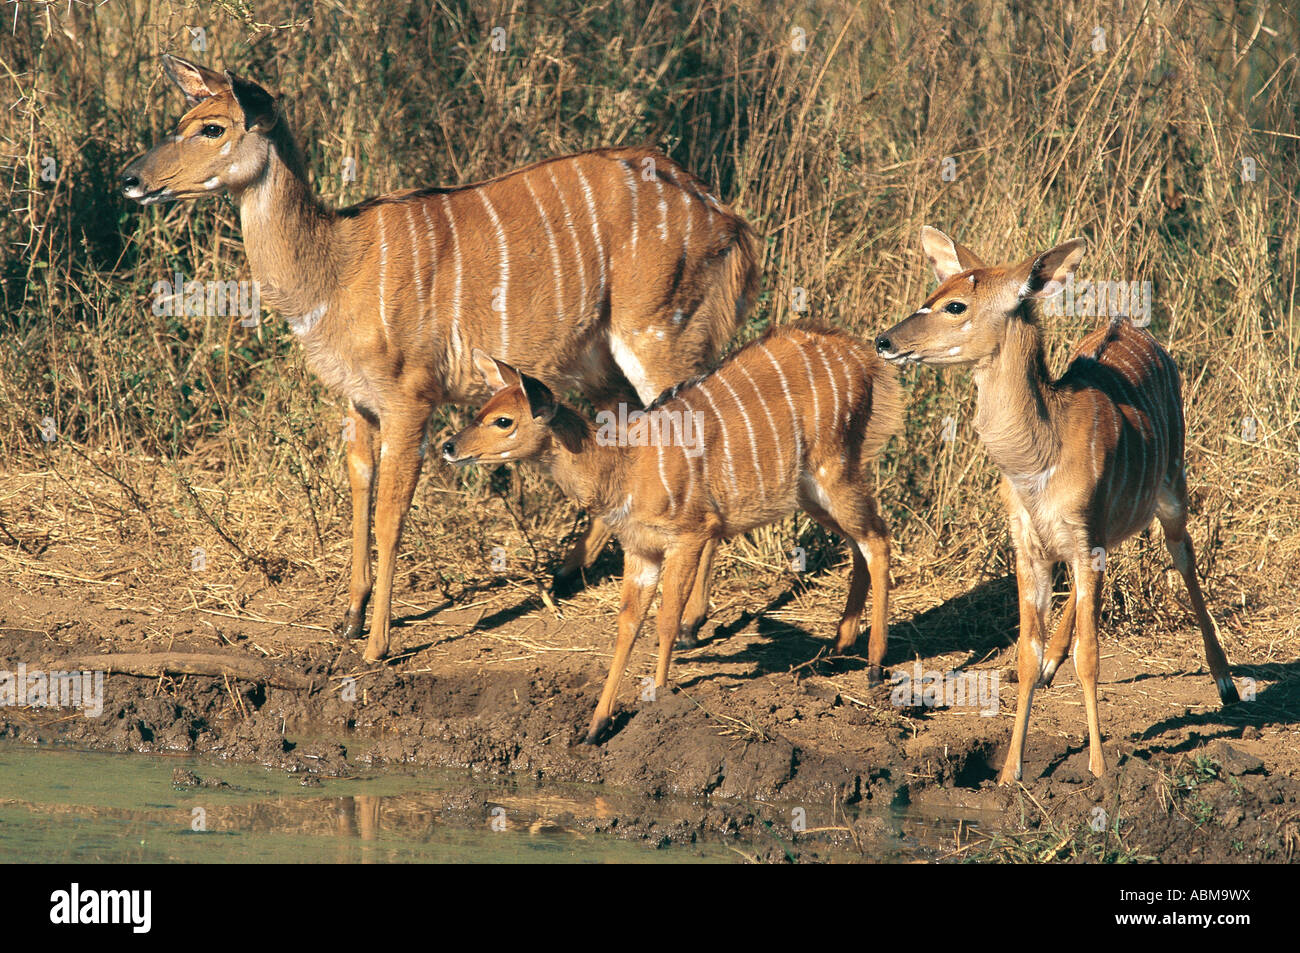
(757, 722)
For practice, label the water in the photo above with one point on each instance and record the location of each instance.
(66, 805)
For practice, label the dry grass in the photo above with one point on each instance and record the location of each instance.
(177, 436)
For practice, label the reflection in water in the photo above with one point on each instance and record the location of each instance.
(58, 804)
(358, 818)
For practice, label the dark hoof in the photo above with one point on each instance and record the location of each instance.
(1228, 692)
(595, 730)
(1046, 675)
(349, 627)
(875, 676)
(567, 583)
(688, 636)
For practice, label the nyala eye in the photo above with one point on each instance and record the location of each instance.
(213, 131)
(955, 307)
(502, 422)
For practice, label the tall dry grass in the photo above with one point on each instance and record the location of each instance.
(1011, 126)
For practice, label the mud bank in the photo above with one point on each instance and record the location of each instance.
(755, 730)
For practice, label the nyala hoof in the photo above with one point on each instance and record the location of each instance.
(594, 731)
(566, 583)
(349, 627)
(1046, 675)
(875, 676)
(688, 636)
(1227, 691)
(353, 623)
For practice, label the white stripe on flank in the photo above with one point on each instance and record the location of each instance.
(690, 219)
(767, 412)
(433, 264)
(866, 378)
(383, 266)
(866, 372)
(812, 387)
(1131, 493)
(848, 403)
(835, 391)
(697, 438)
(1115, 478)
(415, 263)
(722, 427)
(555, 251)
(663, 210)
(577, 246)
(848, 383)
(753, 443)
(1092, 447)
(631, 185)
(455, 294)
(1136, 494)
(1158, 421)
(663, 478)
(1106, 480)
(595, 232)
(849, 378)
(690, 471)
(1152, 446)
(789, 402)
(504, 287)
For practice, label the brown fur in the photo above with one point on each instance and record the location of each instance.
(1086, 459)
(579, 269)
(791, 421)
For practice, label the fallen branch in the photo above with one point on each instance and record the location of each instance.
(154, 664)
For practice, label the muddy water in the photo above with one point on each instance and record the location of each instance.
(81, 806)
(60, 804)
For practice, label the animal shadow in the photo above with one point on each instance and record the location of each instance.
(980, 622)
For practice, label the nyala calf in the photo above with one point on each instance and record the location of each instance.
(791, 421)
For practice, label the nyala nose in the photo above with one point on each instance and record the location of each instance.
(130, 181)
(882, 344)
(449, 450)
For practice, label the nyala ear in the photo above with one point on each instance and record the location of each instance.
(196, 82)
(258, 105)
(541, 402)
(947, 258)
(498, 375)
(1046, 275)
